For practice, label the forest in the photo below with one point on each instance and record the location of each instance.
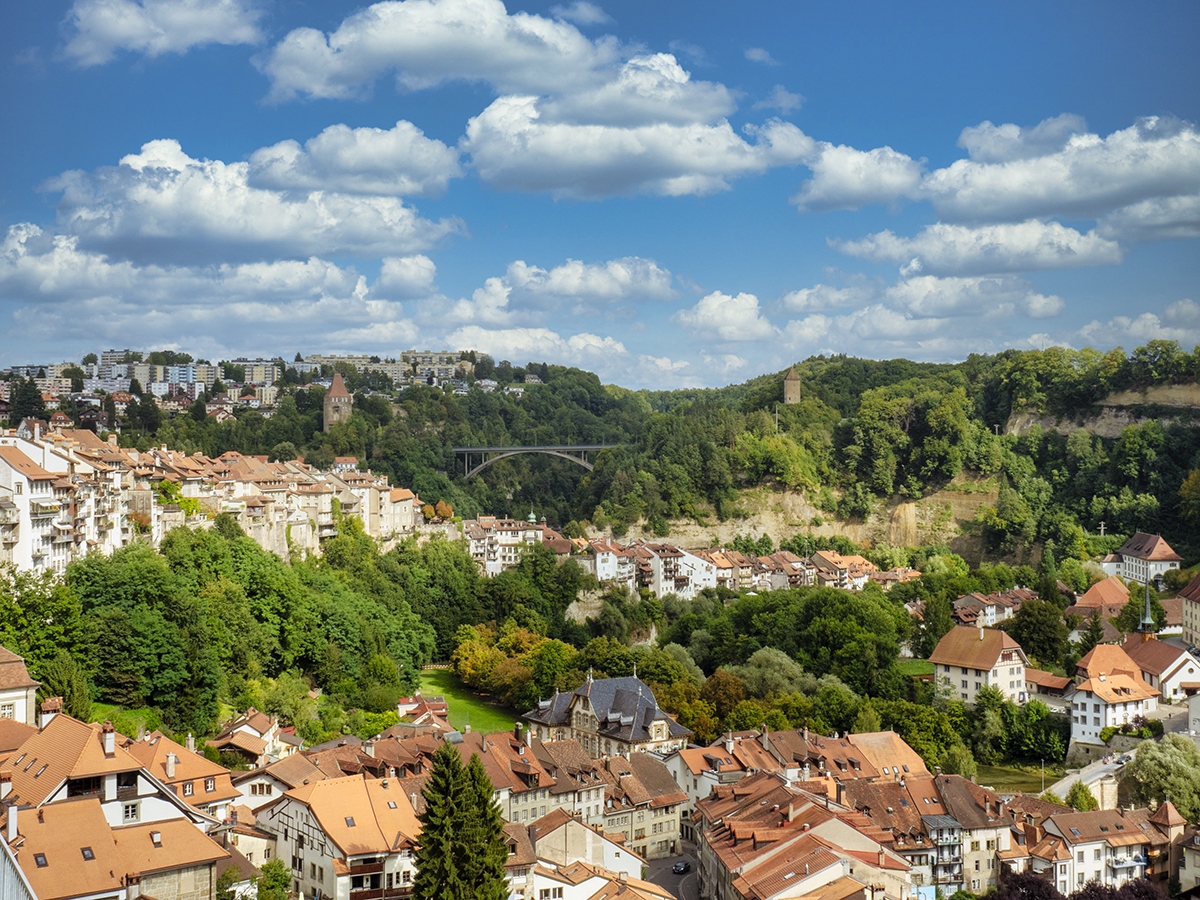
(864, 432)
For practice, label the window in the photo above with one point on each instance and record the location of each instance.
(210, 785)
(87, 853)
(1097, 856)
(8, 711)
(1079, 858)
(187, 789)
(39, 858)
(349, 821)
(991, 845)
(130, 812)
(974, 845)
(313, 870)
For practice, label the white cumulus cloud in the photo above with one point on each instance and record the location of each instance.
(513, 147)
(933, 297)
(537, 344)
(76, 298)
(846, 178)
(988, 143)
(162, 204)
(630, 278)
(429, 42)
(943, 249)
(1088, 176)
(399, 160)
(727, 317)
(98, 29)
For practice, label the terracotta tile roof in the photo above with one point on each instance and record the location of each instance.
(13, 734)
(57, 834)
(1107, 593)
(1118, 688)
(152, 753)
(65, 748)
(338, 388)
(973, 648)
(13, 673)
(1192, 590)
(1150, 547)
(360, 816)
(1153, 656)
(520, 847)
(886, 749)
(1107, 659)
(179, 844)
(23, 464)
(1047, 679)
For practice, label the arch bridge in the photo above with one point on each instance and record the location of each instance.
(476, 459)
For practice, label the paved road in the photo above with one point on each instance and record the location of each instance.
(1089, 775)
(685, 887)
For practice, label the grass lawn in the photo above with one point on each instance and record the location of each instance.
(1002, 778)
(466, 707)
(915, 667)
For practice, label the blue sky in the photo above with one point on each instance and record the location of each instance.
(670, 194)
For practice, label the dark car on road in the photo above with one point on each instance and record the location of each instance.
(680, 867)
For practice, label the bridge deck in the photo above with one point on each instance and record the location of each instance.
(565, 447)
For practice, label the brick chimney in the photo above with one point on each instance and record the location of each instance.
(51, 707)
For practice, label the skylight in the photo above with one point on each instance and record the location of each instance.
(40, 859)
(349, 821)
(87, 853)
(1075, 831)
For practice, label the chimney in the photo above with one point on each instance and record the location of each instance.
(368, 748)
(413, 800)
(517, 731)
(170, 766)
(841, 794)
(529, 737)
(385, 784)
(191, 742)
(141, 732)
(109, 738)
(623, 877)
(51, 707)
(806, 734)
(981, 632)
(11, 834)
(729, 742)
(5, 783)
(881, 857)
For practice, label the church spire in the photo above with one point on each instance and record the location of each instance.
(1146, 627)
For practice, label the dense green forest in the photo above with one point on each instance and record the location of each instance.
(212, 622)
(865, 431)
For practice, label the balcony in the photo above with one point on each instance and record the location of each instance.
(366, 868)
(1126, 862)
(41, 510)
(9, 515)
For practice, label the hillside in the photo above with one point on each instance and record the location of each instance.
(998, 454)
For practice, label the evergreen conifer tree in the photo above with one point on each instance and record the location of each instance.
(437, 863)
(482, 849)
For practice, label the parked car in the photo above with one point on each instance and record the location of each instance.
(681, 867)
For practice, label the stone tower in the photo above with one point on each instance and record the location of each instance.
(791, 387)
(338, 403)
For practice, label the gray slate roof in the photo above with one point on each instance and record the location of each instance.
(625, 708)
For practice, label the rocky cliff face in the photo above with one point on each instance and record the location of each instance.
(1167, 403)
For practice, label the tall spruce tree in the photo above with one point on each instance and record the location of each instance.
(482, 848)
(462, 850)
(437, 863)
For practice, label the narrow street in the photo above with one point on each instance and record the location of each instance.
(686, 886)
